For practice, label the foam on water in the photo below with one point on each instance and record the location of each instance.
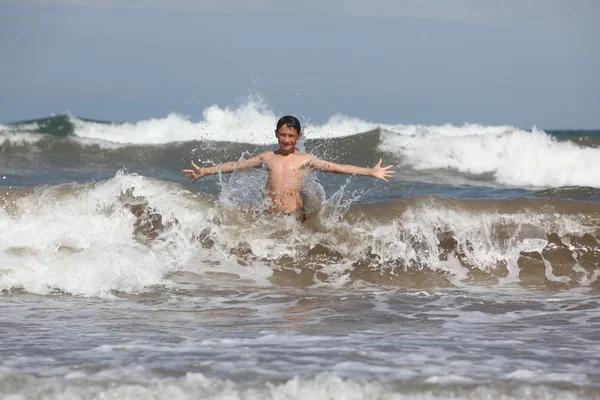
(501, 155)
(252, 122)
(80, 239)
(514, 157)
(324, 386)
(131, 232)
(15, 137)
(274, 343)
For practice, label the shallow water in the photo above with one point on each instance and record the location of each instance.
(209, 340)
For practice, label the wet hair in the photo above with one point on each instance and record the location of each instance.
(290, 122)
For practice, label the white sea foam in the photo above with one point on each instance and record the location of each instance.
(19, 134)
(252, 122)
(18, 138)
(505, 155)
(82, 240)
(323, 386)
(514, 157)
(414, 238)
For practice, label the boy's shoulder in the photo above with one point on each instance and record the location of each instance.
(275, 157)
(276, 153)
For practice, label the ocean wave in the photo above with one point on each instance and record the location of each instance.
(130, 233)
(583, 193)
(469, 155)
(513, 157)
(323, 386)
(251, 122)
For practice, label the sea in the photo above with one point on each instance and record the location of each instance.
(472, 274)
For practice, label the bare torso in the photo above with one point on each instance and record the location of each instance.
(287, 169)
(285, 180)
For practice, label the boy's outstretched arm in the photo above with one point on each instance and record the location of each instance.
(327, 166)
(225, 168)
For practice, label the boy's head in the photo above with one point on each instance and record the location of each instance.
(290, 122)
(288, 132)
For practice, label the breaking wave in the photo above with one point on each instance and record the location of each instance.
(131, 232)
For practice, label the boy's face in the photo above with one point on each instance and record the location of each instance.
(287, 138)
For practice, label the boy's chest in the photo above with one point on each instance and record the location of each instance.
(285, 168)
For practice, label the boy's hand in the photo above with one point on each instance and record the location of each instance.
(382, 172)
(194, 174)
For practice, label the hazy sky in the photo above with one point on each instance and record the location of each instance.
(515, 62)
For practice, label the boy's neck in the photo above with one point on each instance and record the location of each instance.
(285, 153)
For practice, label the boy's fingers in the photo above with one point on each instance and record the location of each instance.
(194, 164)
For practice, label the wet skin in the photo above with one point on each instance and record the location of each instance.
(287, 169)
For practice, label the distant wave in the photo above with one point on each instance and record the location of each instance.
(251, 123)
(513, 157)
(472, 153)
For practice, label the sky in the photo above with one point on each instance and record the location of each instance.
(497, 62)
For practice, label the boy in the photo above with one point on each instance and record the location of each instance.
(287, 168)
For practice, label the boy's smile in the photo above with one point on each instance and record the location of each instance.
(287, 138)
